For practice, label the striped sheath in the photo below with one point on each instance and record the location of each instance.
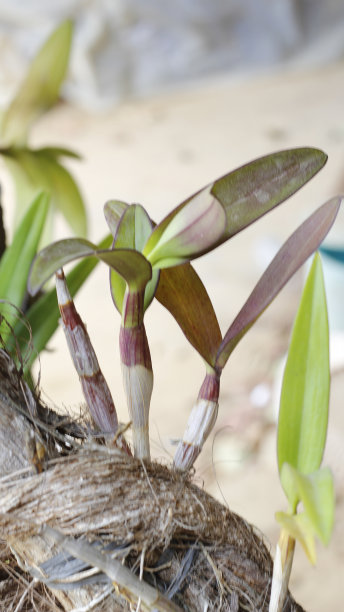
(136, 370)
(94, 386)
(200, 423)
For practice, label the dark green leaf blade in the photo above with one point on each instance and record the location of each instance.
(303, 414)
(182, 292)
(300, 245)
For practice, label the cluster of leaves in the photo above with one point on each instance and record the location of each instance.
(36, 170)
(44, 186)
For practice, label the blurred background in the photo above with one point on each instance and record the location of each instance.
(126, 48)
(162, 98)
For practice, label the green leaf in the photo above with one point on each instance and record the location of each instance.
(34, 171)
(299, 246)
(43, 316)
(41, 86)
(189, 230)
(303, 415)
(299, 527)
(133, 230)
(113, 211)
(182, 292)
(316, 492)
(134, 268)
(16, 261)
(56, 152)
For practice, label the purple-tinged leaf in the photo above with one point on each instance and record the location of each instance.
(133, 230)
(113, 211)
(182, 292)
(301, 244)
(251, 191)
(187, 231)
(134, 268)
(246, 194)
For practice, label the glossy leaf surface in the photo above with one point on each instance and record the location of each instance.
(132, 232)
(295, 251)
(41, 86)
(130, 264)
(303, 415)
(182, 292)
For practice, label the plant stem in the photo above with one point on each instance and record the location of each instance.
(136, 369)
(200, 423)
(281, 572)
(94, 386)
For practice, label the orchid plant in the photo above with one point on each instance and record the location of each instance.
(150, 261)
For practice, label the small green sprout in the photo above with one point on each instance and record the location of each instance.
(302, 429)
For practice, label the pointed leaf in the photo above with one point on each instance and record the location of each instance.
(132, 232)
(299, 527)
(34, 171)
(303, 415)
(182, 292)
(130, 264)
(41, 86)
(188, 231)
(113, 211)
(66, 197)
(301, 244)
(56, 152)
(43, 316)
(16, 261)
(257, 187)
(316, 492)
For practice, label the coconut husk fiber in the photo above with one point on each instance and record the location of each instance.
(85, 527)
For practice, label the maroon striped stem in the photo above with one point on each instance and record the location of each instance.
(136, 370)
(94, 386)
(200, 423)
